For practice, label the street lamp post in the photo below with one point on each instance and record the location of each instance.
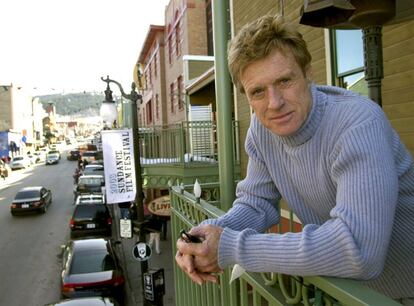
(134, 97)
(108, 111)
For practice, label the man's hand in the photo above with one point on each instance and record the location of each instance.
(200, 260)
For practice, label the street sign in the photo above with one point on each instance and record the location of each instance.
(125, 227)
(141, 251)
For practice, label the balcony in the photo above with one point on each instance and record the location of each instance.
(255, 289)
(179, 153)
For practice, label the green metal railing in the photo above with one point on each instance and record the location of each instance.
(188, 143)
(256, 289)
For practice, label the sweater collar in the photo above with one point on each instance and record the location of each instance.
(309, 128)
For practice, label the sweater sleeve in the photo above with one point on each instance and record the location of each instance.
(353, 243)
(257, 198)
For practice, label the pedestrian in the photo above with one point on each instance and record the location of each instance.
(76, 175)
(85, 163)
(332, 155)
(153, 226)
(80, 163)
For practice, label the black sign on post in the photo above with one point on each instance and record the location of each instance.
(149, 287)
(154, 286)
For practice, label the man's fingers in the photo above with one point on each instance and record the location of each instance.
(198, 231)
(185, 262)
(208, 277)
(196, 277)
(189, 248)
(205, 265)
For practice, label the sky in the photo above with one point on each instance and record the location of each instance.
(64, 46)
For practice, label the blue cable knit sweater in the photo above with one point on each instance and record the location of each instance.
(350, 181)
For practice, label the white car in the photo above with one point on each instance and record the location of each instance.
(90, 199)
(19, 162)
(40, 156)
(52, 158)
(56, 152)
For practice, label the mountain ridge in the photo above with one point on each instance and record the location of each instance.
(87, 103)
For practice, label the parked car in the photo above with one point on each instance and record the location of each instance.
(90, 199)
(90, 220)
(89, 184)
(39, 156)
(86, 301)
(5, 169)
(19, 162)
(73, 155)
(89, 156)
(32, 158)
(52, 158)
(93, 169)
(97, 162)
(57, 152)
(29, 199)
(91, 268)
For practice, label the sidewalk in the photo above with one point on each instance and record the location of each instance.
(16, 176)
(132, 267)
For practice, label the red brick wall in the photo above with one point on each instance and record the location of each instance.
(190, 18)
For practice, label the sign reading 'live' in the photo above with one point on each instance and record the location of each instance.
(160, 206)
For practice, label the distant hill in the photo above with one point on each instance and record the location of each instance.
(87, 104)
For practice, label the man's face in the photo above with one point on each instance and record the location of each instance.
(278, 91)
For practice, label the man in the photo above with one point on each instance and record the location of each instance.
(335, 159)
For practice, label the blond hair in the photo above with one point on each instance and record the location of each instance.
(259, 38)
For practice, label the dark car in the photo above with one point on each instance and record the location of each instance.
(31, 199)
(91, 268)
(89, 184)
(73, 155)
(90, 156)
(86, 301)
(90, 220)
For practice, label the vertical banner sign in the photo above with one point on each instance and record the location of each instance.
(118, 154)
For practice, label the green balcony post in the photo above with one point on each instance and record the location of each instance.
(221, 35)
(182, 143)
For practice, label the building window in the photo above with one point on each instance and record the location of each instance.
(348, 60)
(172, 98)
(169, 44)
(177, 35)
(146, 79)
(150, 74)
(148, 110)
(179, 93)
(157, 107)
(155, 64)
(209, 20)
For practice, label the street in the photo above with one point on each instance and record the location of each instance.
(30, 261)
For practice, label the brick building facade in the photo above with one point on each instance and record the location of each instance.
(162, 65)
